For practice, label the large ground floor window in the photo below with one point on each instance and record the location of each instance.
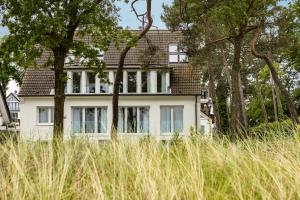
(133, 120)
(171, 119)
(89, 120)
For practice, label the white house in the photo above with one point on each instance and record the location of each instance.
(4, 111)
(158, 100)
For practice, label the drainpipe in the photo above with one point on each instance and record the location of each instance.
(196, 113)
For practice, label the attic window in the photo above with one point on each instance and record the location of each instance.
(177, 54)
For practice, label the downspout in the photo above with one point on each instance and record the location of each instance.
(196, 113)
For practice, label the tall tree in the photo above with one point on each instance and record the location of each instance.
(60, 27)
(273, 73)
(232, 20)
(129, 44)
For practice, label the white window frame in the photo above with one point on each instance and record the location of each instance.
(49, 108)
(83, 108)
(177, 53)
(172, 119)
(138, 120)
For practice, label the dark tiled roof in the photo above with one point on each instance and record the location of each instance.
(185, 80)
(37, 82)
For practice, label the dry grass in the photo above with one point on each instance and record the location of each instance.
(192, 169)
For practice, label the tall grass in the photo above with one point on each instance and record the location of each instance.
(197, 168)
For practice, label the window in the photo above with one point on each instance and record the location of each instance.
(104, 84)
(131, 82)
(89, 120)
(133, 120)
(161, 82)
(171, 119)
(45, 115)
(177, 54)
(90, 82)
(121, 82)
(145, 82)
(76, 82)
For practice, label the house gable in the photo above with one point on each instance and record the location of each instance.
(4, 108)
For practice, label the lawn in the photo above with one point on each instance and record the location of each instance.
(194, 168)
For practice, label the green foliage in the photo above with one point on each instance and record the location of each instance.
(36, 26)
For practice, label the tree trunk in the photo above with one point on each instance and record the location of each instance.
(261, 99)
(274, 98)
(268, 59)
(115, 100)
(59, 96)
(212, 91)
(237, 121)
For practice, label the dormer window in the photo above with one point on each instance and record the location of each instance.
(177, 54)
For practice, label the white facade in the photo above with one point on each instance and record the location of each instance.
(31, 129)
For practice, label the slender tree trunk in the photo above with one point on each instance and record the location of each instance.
(243, 101)
(59, 96)
(268, 59)
(261, 99)
(237, 121)
(274, 98)
(212, 91)
(115, 100)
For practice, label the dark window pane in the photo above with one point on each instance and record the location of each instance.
(104, 86)
(132, 120)
(76, 82)
(90, 82)
(131, 82)
(145, 82)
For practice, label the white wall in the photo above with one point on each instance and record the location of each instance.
(31, 130)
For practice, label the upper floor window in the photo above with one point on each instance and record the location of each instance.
(104, 83)
(145, 82)
(90, 82)
(161, 82)
(76, 82)
(131, 82)
(177, 54)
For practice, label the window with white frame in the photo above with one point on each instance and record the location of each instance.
(76, 82)
(161, 82)
(90, 82)
(133, 120)
(177, 54)
(131, 82)
(104, 83)
(171, 119)
(89, 120)
(45, 115)
(145, 82)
